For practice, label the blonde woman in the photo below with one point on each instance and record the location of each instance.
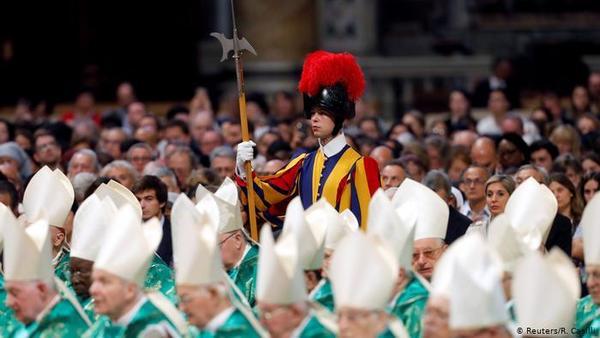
(498, 189)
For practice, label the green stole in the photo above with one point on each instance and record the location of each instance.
(587, 319)
(160, 278)
(89, 309)
(62, 320)
(409, 306)
(323, 295)
(62, 269)
(9, 325)
(148, 315)
(315, 329)
(244, 275)
(236, 325)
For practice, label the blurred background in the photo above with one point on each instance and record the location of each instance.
(413, 52)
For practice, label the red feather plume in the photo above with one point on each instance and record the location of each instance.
(323, 69)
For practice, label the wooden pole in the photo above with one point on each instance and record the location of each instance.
(246, 137)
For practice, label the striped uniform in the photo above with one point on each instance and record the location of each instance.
(345, 179)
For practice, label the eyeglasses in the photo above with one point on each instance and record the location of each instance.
(589, 276)
(428, 254)
(226, 239)
(140, 159)
(359, 316)
(43, 147)
(469, 181)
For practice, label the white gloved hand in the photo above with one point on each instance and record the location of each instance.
(245, 152)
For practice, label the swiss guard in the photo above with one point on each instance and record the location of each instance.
(331, 84)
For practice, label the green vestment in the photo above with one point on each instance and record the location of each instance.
(244, 274)
(62, 266)
(409, 306)
(62, 320)
(9, 325)
(587, 320)
(146, 319)
(160, 278)
(237, 325)
(323, 294)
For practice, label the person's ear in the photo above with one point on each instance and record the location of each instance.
(312, 277)
(239, 239)
(42, 288)
(59, 238)
(131, 289)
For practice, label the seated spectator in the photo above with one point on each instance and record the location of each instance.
(415, 168)
(587, 123)
(139, 155)
(9, 196)
(570, 166)
(473, 185)
(460, 112)
(465, 138)
(580, 102)
(271, 167)
(110, 142)
(83, 161)
(177, 132)
(458, 223)
(83, 109)
(7, 131)
(392, 174)
(498, 189)
(382, 155)
(483, 154)
(590, 163)
(459, 161)
(566, 139)
(222, 161)
(47, 150)
(437, 151)
(182, 161)
(543, 153)
(415, 121)
(498, 107)
(13, 159)
(513, 152)
(570, 203)
(122, 172)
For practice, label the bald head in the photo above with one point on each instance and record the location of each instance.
(464, 138)
(382, 155)
(483, 153)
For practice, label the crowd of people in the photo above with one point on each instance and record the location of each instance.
(424, 227)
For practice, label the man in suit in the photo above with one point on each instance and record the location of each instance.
(458, 223)
(152, 194)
